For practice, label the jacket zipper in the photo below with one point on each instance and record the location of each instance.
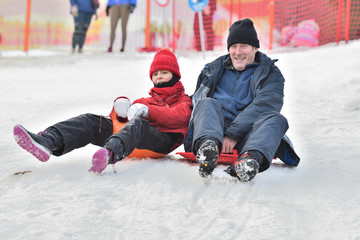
(236, 85)
(164, 100)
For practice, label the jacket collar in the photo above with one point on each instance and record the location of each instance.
(162, 94)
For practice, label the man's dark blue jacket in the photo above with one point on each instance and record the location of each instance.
(267, 88)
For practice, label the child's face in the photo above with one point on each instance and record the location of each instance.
(161, 76)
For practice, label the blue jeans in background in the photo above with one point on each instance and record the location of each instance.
(82, 22)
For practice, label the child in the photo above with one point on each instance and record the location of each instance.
(158, 123)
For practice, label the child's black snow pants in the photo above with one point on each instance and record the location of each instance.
(88, 128)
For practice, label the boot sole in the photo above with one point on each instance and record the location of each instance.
(207, 162)
(99, 161)
(244, 172)
(24, 140)
(206, 169)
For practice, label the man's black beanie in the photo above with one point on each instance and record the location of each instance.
(243, 31)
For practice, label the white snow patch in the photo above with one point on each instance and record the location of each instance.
(166, 198)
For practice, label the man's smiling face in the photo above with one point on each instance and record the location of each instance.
(242, 55)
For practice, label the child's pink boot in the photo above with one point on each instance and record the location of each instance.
(39, 145)
(100, 160)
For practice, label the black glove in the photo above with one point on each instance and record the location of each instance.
(132, 8)
(107, 10)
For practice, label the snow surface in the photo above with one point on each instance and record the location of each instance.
(166, 199)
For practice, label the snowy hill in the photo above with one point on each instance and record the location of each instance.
(166, 198)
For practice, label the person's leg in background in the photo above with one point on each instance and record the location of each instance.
(114, 18)
(84, 26)
(76, 35)
(124, 14)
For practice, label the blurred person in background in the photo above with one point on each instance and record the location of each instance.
(82, 10)
(207, 14)
(119, 9)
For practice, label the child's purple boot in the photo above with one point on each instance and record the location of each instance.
(100, 160)
(112, 152)
(39, 145)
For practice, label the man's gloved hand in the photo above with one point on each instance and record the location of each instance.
(122, 106)
(74, 10)
(138, 110)
(107, 10)
(132, 8)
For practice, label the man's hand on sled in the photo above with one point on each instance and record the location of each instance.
(228, 145)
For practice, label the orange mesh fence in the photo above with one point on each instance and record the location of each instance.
(52, 26)
(329, 15)
(292, 22)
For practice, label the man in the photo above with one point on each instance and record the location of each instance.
(237, 105)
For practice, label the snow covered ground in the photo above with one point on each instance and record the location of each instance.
(166, 199)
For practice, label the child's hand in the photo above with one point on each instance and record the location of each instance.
(138, 110)
(122, 106)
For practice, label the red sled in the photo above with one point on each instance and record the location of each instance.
(224, 158)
